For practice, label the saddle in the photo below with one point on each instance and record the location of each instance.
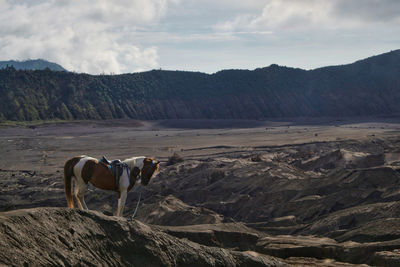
(116, 168)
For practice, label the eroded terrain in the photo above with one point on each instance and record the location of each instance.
(315, 194)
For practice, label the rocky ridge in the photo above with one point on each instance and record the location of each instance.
(65, 237)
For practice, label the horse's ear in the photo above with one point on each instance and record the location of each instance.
(157, 162)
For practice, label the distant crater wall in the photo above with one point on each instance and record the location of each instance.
(367, 87)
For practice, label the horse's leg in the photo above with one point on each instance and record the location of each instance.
(121, 202)
(80, 188)
(76, 195)
(82, 199)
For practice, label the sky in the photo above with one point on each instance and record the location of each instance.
(125, 36)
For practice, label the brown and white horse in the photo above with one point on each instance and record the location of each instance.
(84, 169)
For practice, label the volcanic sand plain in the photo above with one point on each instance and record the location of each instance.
(332, 182)
(46, 147)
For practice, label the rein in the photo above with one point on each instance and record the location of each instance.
(140, 190)
(137, 205)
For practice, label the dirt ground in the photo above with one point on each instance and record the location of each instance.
(320, 192)
(45, 148)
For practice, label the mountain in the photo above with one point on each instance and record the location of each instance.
(31, 64)
(366, 87)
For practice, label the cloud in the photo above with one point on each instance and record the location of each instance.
(277, 15)
(368, 10)
(124, 36)
(84, 36)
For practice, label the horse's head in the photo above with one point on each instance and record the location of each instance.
(150, 167)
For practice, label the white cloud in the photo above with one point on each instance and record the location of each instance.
(85, 36)
(133, 35)
(369, 10)
(277, 15)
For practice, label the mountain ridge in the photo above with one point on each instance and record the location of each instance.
(367, 87)
(31, 64)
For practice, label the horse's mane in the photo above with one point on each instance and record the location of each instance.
(135, 162)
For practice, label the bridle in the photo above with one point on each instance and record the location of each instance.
(145, 174)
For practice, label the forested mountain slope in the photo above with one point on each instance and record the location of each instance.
(366, 87)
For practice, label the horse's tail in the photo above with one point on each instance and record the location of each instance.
(68, 173)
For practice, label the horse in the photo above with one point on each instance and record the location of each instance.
(84, 169)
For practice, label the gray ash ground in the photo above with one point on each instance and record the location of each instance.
(317, 195)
